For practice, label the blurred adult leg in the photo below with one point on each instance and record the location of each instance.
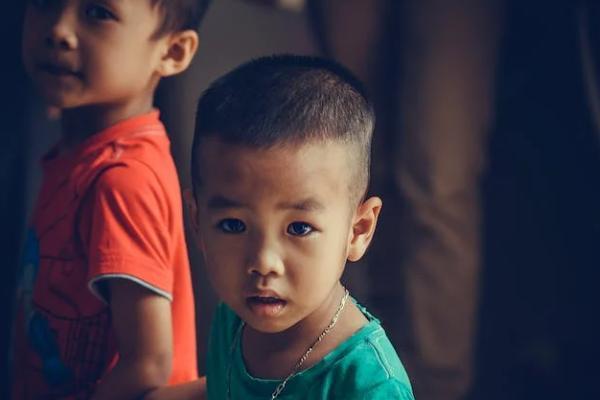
(430, 259)
(448, 59)
(349, 31)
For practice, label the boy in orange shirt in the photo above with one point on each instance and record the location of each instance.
(105, 307)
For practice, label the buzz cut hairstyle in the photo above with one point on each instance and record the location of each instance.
(288, 99)
(180, 15)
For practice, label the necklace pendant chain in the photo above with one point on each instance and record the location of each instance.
(304, 357)
(300, 361)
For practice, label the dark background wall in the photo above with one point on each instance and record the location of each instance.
(12, 167)
(538, 334)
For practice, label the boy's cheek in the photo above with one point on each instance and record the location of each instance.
(200, 243)
(220, 275)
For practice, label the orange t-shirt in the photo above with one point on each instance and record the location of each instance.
(109, 208)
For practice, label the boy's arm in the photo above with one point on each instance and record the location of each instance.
(142, 326)
(195, 390)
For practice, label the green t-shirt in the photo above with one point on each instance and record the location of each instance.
(365, 366)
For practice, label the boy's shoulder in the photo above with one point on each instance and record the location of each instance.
(224, 326)
(366, 364)
(131, 153)
(135, 141)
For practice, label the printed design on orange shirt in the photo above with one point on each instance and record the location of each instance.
(69, 336)
(38, 331)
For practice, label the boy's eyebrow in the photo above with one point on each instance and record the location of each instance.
(308, 204)
(220, 202)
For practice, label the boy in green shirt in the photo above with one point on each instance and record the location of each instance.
(280, 167)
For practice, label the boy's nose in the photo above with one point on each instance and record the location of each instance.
(62, 34)
(264, 259)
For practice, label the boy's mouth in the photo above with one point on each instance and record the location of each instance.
(265, 306)
(59, 70)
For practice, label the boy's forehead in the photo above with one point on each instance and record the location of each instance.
(308, 154)
(309, 167)
(155, 9)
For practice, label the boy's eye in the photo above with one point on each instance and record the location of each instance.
(299, 229)
(231, 225)
(97, 12)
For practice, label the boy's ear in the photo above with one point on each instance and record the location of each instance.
(363, 227)
(192, 206)
(180, 51)
(190, 202)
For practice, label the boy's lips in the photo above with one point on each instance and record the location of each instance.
(265, 303)
(59, 70)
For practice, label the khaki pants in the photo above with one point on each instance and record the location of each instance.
(434, 109)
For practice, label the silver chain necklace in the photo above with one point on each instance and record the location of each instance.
(300, 361)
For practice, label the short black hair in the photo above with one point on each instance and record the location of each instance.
(288, 99)
(180, 15)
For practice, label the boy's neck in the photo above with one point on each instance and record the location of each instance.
(80, 123)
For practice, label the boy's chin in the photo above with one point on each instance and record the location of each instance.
(266, 326)
(58, 98)
(54, 104)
